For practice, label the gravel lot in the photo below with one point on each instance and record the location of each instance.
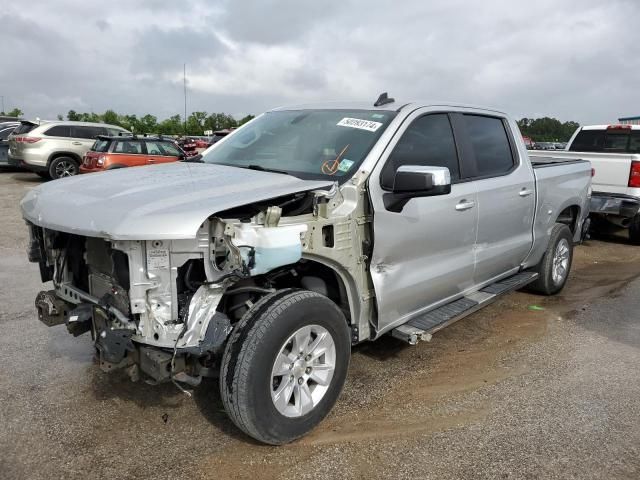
(509, 392)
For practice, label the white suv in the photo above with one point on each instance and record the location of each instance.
(55, 149)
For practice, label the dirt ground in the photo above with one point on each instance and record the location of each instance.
(530, 387)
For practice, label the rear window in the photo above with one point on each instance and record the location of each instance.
(24, 128)
(101, 146)
(59, 131)
(616, 142)
(490, 145)
(634, 142)
(87, 132)
(128, 146)
(612, 140)
(588, 141)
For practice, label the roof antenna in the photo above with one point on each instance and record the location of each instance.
(383, 99)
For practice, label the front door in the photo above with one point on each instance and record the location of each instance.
(161, 152)
(424, 254)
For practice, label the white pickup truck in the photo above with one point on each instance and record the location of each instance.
(614, 153)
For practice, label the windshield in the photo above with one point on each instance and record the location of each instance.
(309, 144)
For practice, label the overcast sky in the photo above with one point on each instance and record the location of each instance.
(572, 59)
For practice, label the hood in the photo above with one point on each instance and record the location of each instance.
(157, 202)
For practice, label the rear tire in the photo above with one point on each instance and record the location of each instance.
(63, 167)
(634, 230)
(553, 270)
(284, 365)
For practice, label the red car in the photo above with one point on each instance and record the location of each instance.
(118, 152)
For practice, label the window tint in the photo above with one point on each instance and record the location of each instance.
(427, 142)
(155, 148)
(24, 128)
(58, 131)
(4, 133)
(616, 142)
(490, 145)
(87, 132)
(169, 149)
(128, 146)
(588, 141)
(634, 142)
(101, 146)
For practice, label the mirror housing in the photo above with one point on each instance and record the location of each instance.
(416, 181)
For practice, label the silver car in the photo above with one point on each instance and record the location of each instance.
(55, 149)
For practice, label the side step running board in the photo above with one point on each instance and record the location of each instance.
(425, 325)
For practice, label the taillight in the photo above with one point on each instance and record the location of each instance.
(634, 175)
(593, 172)
(27, 139)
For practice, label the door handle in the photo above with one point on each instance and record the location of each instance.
(525, 192)
(464, 205)
(77, 143)
(151, 160)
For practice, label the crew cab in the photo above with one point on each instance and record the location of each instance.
(109, 152)
(308, 230)
(614, 153)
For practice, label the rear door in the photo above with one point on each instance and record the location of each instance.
(159, 151)
(505, 188)
(424, 254)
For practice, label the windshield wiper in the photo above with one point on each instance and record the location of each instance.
(260, 168)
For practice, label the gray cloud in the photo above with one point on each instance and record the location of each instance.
(569, 59)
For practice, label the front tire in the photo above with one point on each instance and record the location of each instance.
(63, 167)
(284, 365)
(553, 269)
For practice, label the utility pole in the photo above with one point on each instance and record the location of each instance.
(2, 97)
(184, 78)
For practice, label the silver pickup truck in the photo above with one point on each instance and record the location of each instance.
(305, 232)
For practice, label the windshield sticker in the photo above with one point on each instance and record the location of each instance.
(345, 165)
(359, 123)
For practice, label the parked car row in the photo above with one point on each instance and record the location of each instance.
(547, 145)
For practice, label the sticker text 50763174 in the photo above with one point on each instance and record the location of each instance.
(359, 123)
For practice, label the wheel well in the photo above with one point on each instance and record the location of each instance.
(569, 216)
(306, 274)
(53, 156)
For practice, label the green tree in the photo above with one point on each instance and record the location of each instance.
(171, 126)
(111, 117)
(547, 129)
(16, 112)
(245, 119)
(60, 117)
(72, 116)
(148, 124)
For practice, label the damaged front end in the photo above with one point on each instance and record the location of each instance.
(163, 309)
